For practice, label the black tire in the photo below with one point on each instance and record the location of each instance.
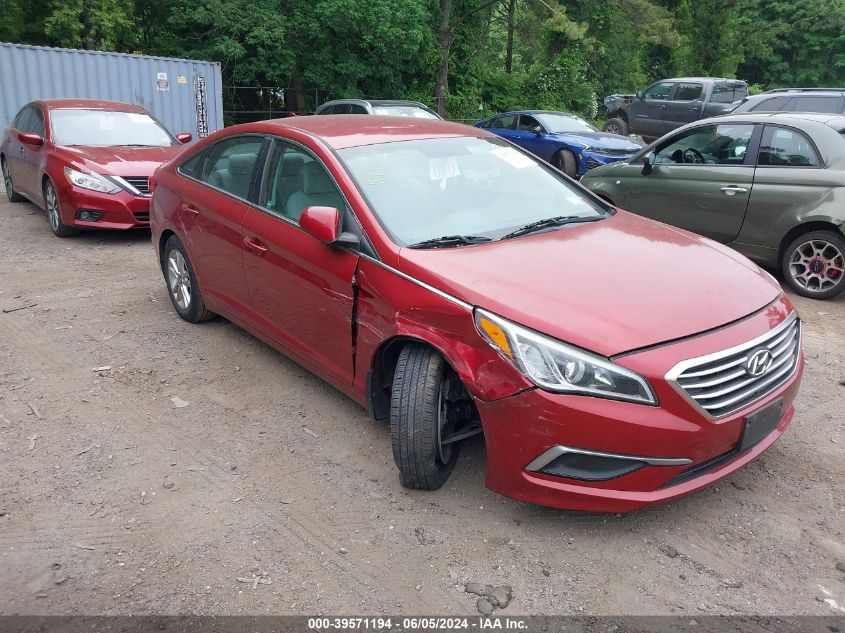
(616, 125)
(7, 183)
(54, 217)
(565, 161)
(182, 283)
(822, 249)
(414, 418)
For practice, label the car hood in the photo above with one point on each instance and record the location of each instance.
(599, 140)
(611, 286)
(120, 161)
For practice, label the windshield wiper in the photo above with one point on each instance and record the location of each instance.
(546, 223)
(450, 240)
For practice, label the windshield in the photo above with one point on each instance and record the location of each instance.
(413, 111)
(104, 128)
(424, 189)
(565, 123)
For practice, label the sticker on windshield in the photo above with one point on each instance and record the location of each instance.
(512, 157)
(442, 169)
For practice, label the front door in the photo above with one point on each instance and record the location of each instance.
(647, 112)
(701, 181)
(212, 211)
(685, 106)
(301, 290)
(526, 136)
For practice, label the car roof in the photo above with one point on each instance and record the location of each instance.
(836, 121)
(701, 79)
(341, 131)
(89, 104)
(381, 102)
(801, 91)
(535, 112)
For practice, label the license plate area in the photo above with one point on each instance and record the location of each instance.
(760, 423)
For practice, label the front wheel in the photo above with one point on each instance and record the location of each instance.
(565, 161)
(616, 125)
(54, 216)
(182, 283)
(420, 418)
(814, 264)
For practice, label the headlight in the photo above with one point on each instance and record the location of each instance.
(92, 181)
(555, 366)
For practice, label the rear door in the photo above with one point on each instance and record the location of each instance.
(15, 150)
(505, 126)
(31, 156)
(646, 112)
(685, 107)
(300, 289)
(701, 180)
(213, 205)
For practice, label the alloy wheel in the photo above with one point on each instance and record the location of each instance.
(444, 426)
(817, 265)
(52, 203)
(7, 178)
(179, 279)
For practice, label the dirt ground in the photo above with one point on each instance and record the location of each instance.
(203, 456)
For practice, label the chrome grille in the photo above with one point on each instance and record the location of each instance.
(719, 384)
(614, 152)
(141, 183)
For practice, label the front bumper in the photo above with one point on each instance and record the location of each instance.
(521, 428)
(590, 160)
(119, 211)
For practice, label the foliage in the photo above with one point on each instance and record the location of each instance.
(481, 55)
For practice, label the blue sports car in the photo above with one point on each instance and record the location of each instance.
(564, 140)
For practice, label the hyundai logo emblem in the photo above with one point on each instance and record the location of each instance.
(758, 363)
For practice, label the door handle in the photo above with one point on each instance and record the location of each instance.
(662, 107)
(255, 246)
(693, 108)
(189, 209)
(732, 190)
(20, 150)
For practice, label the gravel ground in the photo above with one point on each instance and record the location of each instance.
(200, 459)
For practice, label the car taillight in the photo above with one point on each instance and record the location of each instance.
(152, 184)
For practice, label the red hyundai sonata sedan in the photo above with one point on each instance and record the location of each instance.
(86, 163)
(455, 285)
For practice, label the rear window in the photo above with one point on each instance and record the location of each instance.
(774, 104)
(729, 92)
(688, 92)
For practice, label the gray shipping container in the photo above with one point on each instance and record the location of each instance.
(186, 95)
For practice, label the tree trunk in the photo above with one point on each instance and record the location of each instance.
(509, 50)
(444, 40)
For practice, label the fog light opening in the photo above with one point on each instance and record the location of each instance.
(87, 215)
(590, 467)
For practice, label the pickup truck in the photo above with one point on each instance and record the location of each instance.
(670, 103)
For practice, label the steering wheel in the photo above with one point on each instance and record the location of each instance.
(692, 155)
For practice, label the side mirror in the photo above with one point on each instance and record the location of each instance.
(647, 166)
(184, 137)
(639, 95)
(323, 223)
(30, 139)
(537, 130)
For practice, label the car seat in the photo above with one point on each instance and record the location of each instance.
(315, 189)
(236, 176)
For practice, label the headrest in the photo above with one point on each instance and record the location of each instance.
(292, 164)
(315, 179)
(241, 164)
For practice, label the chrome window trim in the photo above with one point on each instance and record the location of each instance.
(123, 183)
(673, 374)
(556, 451)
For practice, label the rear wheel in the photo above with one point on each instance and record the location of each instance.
(814, 264)
(616, 125)
(54, 216)
(427, 410)
(182, 284)
(7, 183)
(565, 161)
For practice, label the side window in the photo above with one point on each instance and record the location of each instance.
(728, 92)
(38, 122)
(710, 144)
(784, 147)
(231, 163)
(341, 108)
(193, 166)
(504, 122)
(688, 92)
(329, 110)
(527, 123)
(354, 108)
(25, 119)
(832, 104)
(775, 104)
(297, 180)
(658, 91)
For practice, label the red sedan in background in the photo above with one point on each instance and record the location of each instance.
(86, 163)
(453, 284)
